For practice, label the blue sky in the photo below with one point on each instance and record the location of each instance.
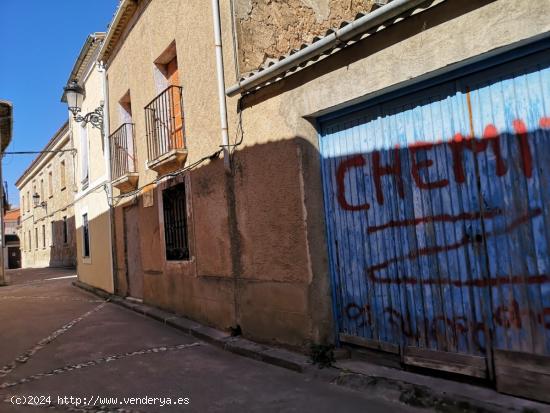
(39, 42)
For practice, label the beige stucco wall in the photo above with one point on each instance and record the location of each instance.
(250, 263)
(91, 199)
(59, 205)
(257, 236)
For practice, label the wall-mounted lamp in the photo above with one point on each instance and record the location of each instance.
(36, 201)
(74, 96)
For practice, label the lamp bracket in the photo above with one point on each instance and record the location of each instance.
(95, 117)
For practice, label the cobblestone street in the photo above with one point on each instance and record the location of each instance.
(60, 341)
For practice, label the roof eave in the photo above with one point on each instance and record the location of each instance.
(125, 11)
(87, 48)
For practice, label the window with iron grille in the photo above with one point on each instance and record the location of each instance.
(65, 231)
(85, 237)
(175, 223)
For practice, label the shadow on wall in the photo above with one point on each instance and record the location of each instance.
(63, 243)
(258, 252)
(423, 237)
(250, 234)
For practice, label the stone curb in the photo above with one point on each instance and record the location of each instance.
(406, 391)
(238, 345)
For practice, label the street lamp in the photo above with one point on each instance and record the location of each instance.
(36, 201)
(74, 95)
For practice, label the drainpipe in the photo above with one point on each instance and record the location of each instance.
(221, 83)
(109, 185)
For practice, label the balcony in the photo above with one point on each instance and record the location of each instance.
(166, 150)
(123, 158)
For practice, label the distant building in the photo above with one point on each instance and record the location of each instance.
(46, 188)
(12, 219)
(12, 252)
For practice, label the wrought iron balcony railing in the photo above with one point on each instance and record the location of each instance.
(123, 151)
(164, 123)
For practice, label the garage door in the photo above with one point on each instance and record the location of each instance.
(438, 213)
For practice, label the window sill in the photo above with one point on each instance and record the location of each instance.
(179, 263)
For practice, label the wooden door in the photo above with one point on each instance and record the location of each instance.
(172, 74)
(134, 271)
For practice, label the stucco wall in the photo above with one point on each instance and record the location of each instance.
(95, 270)
(448, 33)
(269, 29)
(250, 260)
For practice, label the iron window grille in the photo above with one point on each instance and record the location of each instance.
(175, 223)
(164, 123)
(65, 231)
(85, 236)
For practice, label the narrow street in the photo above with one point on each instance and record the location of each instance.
(60, 341)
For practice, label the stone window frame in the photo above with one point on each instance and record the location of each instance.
(165, 184)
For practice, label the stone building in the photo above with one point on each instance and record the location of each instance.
(12, 251)
(47, 188)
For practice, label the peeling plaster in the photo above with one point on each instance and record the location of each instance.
(271, 28)
(320, 7)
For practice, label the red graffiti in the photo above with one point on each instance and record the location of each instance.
(508, 316)
(419, 168)
(418, 165)
(496, 281)
(448, 329)
(378, 171)
(465, 216)
(476, 146)
(521, 131)
(355, 162)
(465, 240)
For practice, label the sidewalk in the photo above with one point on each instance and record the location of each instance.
(415, 390)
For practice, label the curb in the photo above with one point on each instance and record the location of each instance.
(238, 345)
(407, 392)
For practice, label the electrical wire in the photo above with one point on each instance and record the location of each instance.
(136, 191)
(35, 152)
(240, 130)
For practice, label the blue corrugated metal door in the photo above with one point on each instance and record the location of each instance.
(437, 217)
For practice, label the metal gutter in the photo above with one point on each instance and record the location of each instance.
(332, 40)
(221, 83)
